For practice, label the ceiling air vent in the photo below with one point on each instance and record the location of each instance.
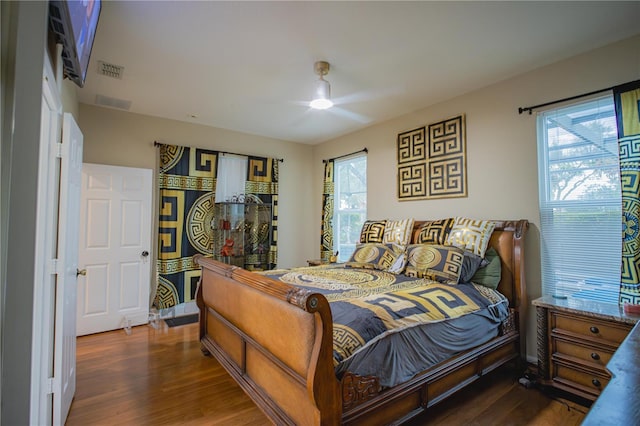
(113, 102)
(110, 70)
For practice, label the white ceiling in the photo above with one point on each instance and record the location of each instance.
(248, 66)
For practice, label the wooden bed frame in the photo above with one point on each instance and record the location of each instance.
(276, 341)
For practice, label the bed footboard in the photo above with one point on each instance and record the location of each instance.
(274, 339)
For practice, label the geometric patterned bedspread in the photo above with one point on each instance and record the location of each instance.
(368, 304)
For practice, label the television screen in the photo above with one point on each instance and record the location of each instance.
(74, 22)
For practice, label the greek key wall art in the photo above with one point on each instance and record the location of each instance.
(432, 161)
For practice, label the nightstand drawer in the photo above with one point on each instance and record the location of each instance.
(581, 380)
(590, 327)
(593, 355)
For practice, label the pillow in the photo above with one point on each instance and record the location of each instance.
(471, 234)
(437, 262)
(398, 231)
(434, 231)
(383, 257)
(490, 275)
(372, 231)
(470, 264)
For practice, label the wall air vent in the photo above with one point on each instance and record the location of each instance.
(113, 102)
(110, 70)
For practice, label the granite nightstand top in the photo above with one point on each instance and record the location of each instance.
(605, 311)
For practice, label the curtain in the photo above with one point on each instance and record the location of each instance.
(261, 186)
(232, 170)
(627, 103)
(326, 229)
(187, 182)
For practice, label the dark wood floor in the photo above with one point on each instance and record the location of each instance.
(160, 377)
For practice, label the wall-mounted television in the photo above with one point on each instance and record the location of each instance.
(74, 24)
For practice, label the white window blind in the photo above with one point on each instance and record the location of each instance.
(580, 201)
(350, 203)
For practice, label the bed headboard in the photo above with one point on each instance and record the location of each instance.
(508, 240)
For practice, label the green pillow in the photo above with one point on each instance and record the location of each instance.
(489, 276)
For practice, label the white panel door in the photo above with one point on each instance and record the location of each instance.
(115, 242)
(69, 217)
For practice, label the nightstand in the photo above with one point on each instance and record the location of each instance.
(576, 340)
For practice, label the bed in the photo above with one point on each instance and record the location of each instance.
(277, 341)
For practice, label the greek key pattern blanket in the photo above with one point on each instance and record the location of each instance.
(368, 304)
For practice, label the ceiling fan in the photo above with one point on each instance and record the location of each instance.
(322, 95)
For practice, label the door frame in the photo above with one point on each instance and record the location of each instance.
(45, 267)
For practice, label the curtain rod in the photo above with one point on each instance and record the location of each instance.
(595, 92)
(345, 155)
(156, 144)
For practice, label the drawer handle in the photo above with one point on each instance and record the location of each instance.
(595, 356)
(594, 329)
(596, 382)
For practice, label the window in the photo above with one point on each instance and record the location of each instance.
(580, 201)
(350, 203)
(232, 176)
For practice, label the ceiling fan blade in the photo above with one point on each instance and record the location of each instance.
(369, 95)
(301, 118)
(350, 115)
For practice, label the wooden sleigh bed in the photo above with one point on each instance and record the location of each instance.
(276, 341)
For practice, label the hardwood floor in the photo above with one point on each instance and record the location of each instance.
(155, 377)
(160, 377)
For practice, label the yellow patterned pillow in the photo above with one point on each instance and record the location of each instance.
(383, 257)
(471, 234)
(435, 231)
(435, 262)
(398, 231)
(372, 231)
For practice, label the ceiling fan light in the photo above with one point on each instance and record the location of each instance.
(321, 104)
(322, 98)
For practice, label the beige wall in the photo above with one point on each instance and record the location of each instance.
(125, 139)
(501, 148)
(23, 47)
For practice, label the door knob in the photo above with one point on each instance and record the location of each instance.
(81, 272)
(145, 253)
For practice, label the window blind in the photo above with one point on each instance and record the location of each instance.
(350, 203)
(580, 201)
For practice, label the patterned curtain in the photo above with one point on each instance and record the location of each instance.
(326, 229)
(627, 102)
(262, 187)
(187, 181)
